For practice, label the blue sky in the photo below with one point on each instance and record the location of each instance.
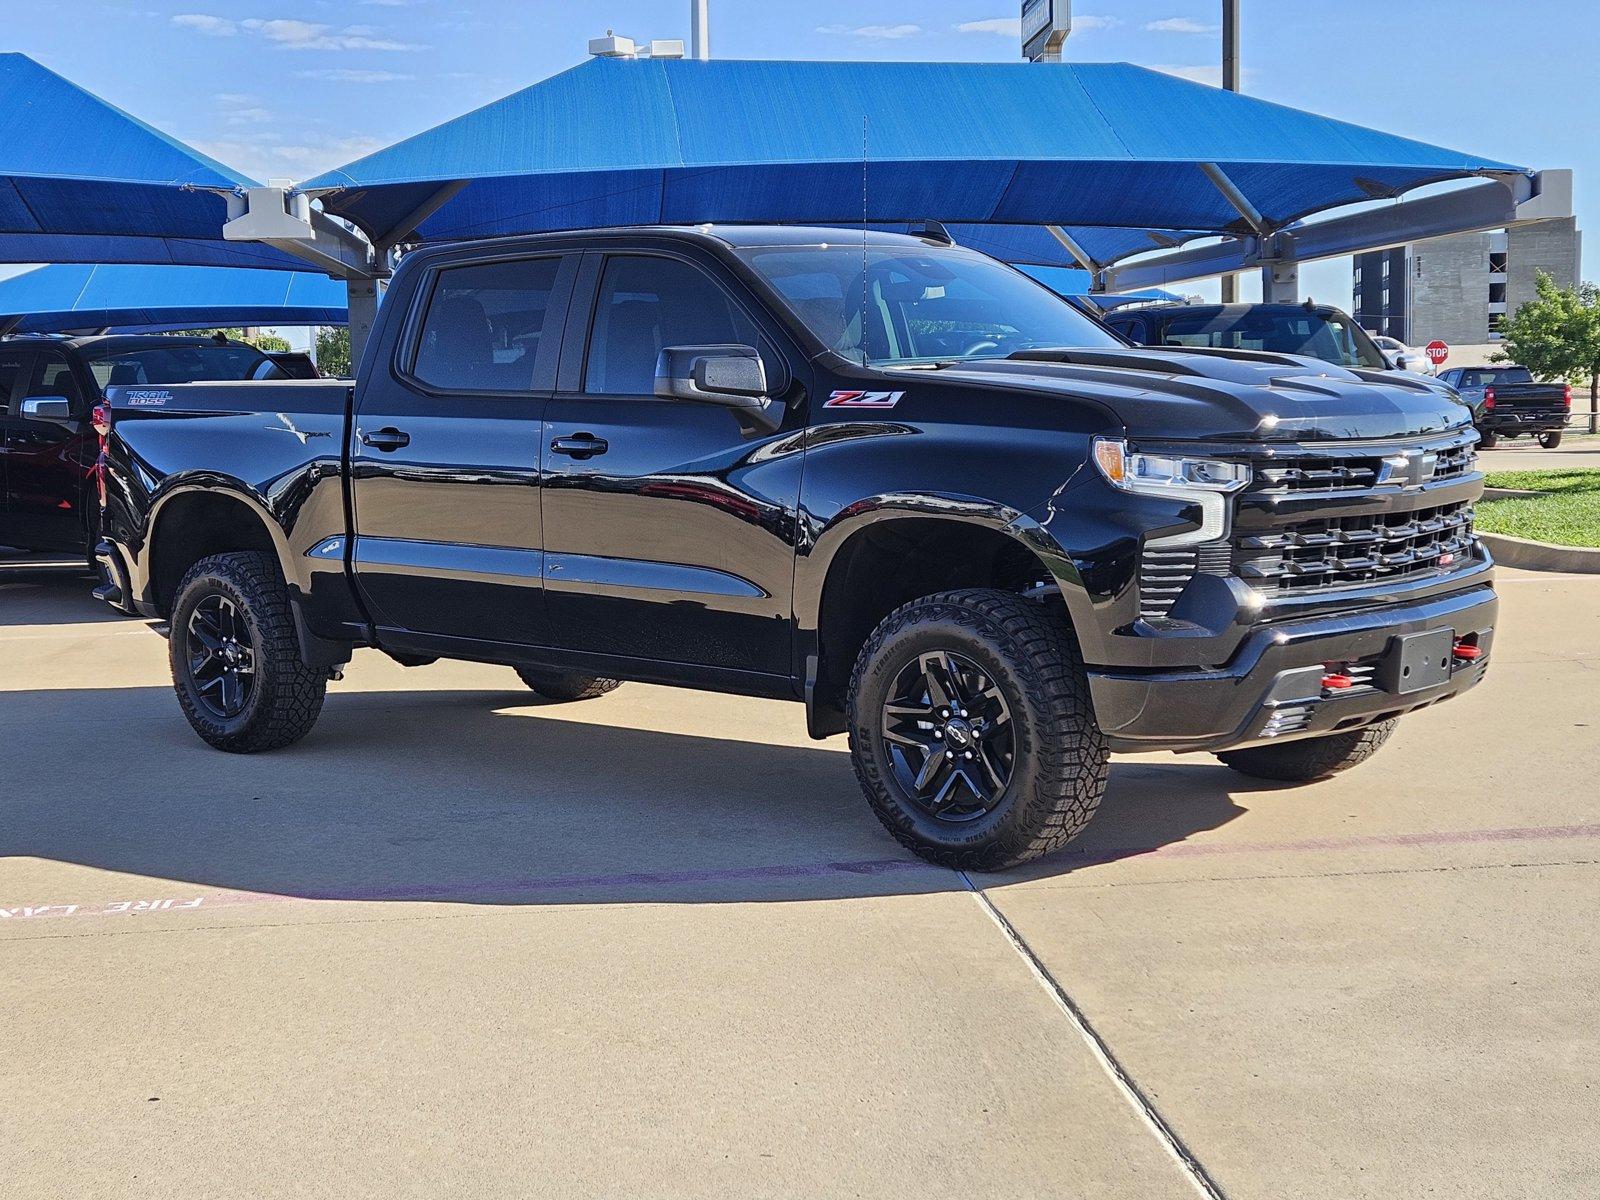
(287, 88)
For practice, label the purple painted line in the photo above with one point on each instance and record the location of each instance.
(1375, 841)
(532, 887)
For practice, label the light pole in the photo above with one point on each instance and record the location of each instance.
(700, 28)
(1230, 81)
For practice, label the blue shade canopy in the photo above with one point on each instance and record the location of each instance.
(1109, 150)
(63, 297)
(1069, 281)
(82, 181)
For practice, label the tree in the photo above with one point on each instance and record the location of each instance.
(1556, 335)
(262, 341)
(333, 351)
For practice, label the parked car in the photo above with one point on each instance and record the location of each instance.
(1315, 330)
(955, 519)
(1403, 357)
(48, 387)
(1507, 402)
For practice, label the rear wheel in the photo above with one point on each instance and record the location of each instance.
(1487, 441)
(1309, 759)
(566, 685)
(972, 732)
(236, 662)
(1550, 440)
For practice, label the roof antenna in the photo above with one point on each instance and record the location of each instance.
(862, 334)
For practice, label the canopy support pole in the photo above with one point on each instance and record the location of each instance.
(363, 296)
(405, 228)
(1080, 256)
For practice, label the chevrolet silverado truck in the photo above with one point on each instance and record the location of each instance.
(880, 475)
(1507, 402)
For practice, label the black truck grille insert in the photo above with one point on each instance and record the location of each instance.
(1330, 473)
(1353, 551)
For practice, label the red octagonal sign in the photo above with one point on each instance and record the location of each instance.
(1436, 351)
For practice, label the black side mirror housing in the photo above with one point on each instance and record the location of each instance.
(730, 376)
(55, 409)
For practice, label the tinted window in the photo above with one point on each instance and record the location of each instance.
(1328, 336)
(647, 304)
(52, 376)
(904, 303)
(486, 326)
(1505, 375)
(207, 363)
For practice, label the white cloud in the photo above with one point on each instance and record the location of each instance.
(1178, 25)
(877, 32)
(1207, 74)
(268, 155)
(1011, 27)
(353, 75)
(288, 34)
(206, 24)
(237, 108)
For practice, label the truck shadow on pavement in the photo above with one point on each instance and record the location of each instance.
(34, 591)
(489, 797)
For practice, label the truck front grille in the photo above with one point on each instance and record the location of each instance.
(1334, 473)
(1353, 551)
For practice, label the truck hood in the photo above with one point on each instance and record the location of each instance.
(1231, 395)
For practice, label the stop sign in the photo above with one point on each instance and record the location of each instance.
(1436, 351)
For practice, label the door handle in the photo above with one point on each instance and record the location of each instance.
(387, 438)
(581, 445)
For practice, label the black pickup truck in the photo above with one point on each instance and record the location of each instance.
(886, 477)
(1507, 402)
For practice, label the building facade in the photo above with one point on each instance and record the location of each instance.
(1461, 289)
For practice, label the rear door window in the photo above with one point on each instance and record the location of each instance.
(13, 368)
(490, 327)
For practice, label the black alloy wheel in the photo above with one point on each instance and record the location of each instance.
(948, 731)
(221, 656)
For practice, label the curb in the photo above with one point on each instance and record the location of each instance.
(1541, 556)
(1494, 493)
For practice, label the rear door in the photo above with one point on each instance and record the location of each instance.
(668, 528)
(14, 364)
(446, 456)
(47, 465)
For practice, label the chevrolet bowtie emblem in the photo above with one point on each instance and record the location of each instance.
(1411, 469)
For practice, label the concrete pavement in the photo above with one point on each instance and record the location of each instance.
(461, 942)
(1575, 452)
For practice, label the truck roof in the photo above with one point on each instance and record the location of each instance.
(113, 342)
(741, 236)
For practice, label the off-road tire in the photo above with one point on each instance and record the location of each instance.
(1310, 759)
(1488, 441)
(287, 695)
(1550, 441)
(566, 685)
(1060, 760)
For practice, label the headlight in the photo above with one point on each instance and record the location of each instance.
(1203, 481)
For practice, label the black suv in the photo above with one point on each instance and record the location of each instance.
(883, 476)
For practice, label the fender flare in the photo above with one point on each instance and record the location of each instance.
(211, 484)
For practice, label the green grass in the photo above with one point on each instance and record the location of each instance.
(1568, 481)
(1568, 516)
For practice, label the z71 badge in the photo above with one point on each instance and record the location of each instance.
(863, 399)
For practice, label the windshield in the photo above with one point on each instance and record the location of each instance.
(889, 305)
(1330, 336)
(181, 364)
(1502, 377)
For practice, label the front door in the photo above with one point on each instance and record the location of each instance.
(669, 529)
(47, 465)
(446, 455)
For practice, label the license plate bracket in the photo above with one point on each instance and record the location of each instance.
(1415, 662)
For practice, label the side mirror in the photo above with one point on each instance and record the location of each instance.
(731, 376)
(56, 409)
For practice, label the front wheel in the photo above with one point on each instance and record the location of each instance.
(1550, 440)
(1310, 759)
(972, 732)
(236, 662)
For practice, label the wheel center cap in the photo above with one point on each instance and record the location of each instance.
(958, 733)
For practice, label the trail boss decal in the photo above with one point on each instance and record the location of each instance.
(863, 399)
(144, 398)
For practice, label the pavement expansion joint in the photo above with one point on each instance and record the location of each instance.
(1194, 1170)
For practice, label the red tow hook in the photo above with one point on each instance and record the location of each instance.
(1467, 652)
(1334, 681)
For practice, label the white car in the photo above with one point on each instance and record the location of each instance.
(1404, 357)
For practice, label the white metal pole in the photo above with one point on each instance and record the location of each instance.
(700, 28)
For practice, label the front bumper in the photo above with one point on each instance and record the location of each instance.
(1272, 688)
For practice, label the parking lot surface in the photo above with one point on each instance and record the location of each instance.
(461, 942)
(1577, 451)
